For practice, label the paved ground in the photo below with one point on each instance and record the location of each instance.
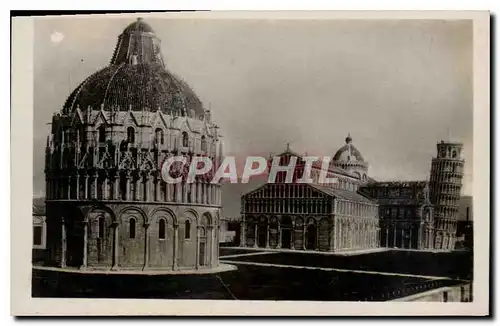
(271, 276)
(452, 265)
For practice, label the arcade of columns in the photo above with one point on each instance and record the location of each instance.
(306, 219)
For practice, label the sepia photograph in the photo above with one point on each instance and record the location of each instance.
(313, 160)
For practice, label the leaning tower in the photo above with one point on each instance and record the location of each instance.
(445, 185)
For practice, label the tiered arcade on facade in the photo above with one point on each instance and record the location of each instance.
(107, 204)
(309, 216)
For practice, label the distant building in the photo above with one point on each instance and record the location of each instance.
(419, 214)
(39, 225)
(39, 230)
(312, 216)
(465, 223)
(406, 213)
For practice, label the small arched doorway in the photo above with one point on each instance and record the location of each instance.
(286, 232)
(311, 236)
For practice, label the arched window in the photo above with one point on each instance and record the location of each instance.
(161, 230)
(102, 134)
(131, 228)
(185, 139)
(131, 135)
(100, 228)
(187, 230)
(203, 144)
(159, 136)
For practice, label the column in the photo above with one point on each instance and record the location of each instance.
(85, 244)
(204, 193)
(242, 232)
(69, 187)
(209, 193)
(403, 237)
(157, 189)
(267, 234)
(292, 236)
(255, 235)
(96, 184)
(387, 236)
(105, 194)
(146, 246)
(147, 193)
(395, 233)
(197, 247)
(175, 246)
(116, 195)
(115, 243)
(63, 243)
(127, 184)
(194, 194)
(77, 187)
(198, 198)
(410, 246)
(304, 236)
(278, 245)
(317, 236)
(178, 192)
(86, 187)
(210, 240)
(168, 191)
(338, 235)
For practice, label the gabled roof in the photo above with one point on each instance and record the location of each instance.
(337, 193)
(343, 194)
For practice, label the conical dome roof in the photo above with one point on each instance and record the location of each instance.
(348, 153)
(136, 79)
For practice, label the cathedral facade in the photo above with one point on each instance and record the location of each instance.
(311, 216)
(358, 212)
(107, 205)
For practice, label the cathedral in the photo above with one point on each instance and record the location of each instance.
(313, 216)
(358, 212)
(107, 206)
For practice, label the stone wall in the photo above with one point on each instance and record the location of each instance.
(459, 293)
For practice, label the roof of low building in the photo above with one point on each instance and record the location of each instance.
(38, 206)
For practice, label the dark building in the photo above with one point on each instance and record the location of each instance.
(406, 213)
(465, 223)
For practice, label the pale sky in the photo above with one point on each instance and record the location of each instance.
(398, 87)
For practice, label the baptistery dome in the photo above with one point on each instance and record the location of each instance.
(136, 80)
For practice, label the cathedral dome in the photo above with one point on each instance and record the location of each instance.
(348, 153)
(139, 25)
(136, 80)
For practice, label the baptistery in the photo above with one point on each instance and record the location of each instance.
(108, 206)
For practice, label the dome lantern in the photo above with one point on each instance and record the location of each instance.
(136, 80)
